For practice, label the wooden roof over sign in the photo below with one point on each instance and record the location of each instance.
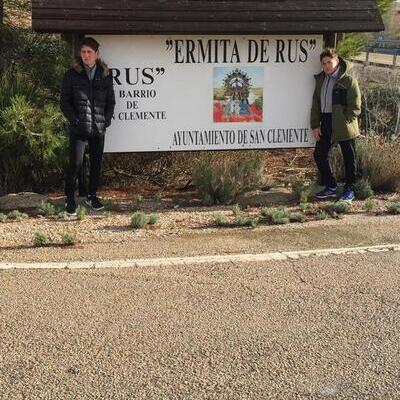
(205, 16)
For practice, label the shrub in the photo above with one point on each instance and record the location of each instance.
(321, 215)
(47, 209)
(81, 213)
(42, 239)
(17, 215)
(276, 216)
(220, 219)
(362, 189)
(394, 208)
(68, 239)
(305, 207)
(353, 44)
(301, 191)
(138, 220)
(3, 217)
(380, 101)
(62, 215)
(297, 217)
(32, 145)
(369, 205)
(378, 162)
(246, 220)
(221, 179)
(340, 207)
(236, 210)
(152, 219)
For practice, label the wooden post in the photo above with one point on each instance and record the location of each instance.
(329, 39)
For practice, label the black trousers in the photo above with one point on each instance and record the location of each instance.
(76, 153)
(321, 155)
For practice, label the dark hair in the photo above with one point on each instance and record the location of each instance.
(90, 42)
(328, 52)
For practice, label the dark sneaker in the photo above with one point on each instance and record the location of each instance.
(70, 206)
(327, 193)
(348, 195)
(94, 202)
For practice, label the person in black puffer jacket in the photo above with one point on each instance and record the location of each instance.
(87, 101)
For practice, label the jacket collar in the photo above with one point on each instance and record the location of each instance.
(101, 66)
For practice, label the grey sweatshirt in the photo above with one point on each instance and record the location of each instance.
(326, 91)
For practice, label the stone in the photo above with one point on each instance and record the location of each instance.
(272, 197)
(21, 201)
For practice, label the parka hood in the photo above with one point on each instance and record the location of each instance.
(78, 67)
(345, 67)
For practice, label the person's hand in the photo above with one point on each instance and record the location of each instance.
(316, 134)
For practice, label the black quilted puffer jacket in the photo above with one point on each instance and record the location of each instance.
(88, 105)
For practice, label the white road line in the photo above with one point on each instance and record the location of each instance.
(152, 262)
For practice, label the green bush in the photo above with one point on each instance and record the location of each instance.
(369, 205)
(3, 217)
(17, 215)
(362, 189)
(321, 215)
(352, 45)
(301, 191)
(220, 219)
(305, 207)
(245, 220)
(32, 128)
(138, 220)
(221, 179)
(236, 210)
(47, 209)
(69, 239)
(152, 219)
(297, 217)
(42, 239)
(394, 208)
(340, 207)
(32, 145)
(62, 215)
(276, 216)
(81, 213)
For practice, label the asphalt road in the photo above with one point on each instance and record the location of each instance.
(319, 328)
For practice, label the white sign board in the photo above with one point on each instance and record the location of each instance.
(179, 92)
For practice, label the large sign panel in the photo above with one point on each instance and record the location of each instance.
(177, 93)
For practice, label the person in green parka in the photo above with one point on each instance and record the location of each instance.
(336, 105)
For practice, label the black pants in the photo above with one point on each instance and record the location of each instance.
(321, 154)
(76, 153)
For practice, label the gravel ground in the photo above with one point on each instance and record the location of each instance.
(322, 328)
(107, 235)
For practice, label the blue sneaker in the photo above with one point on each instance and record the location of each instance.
(327, 193)
(348, 195)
